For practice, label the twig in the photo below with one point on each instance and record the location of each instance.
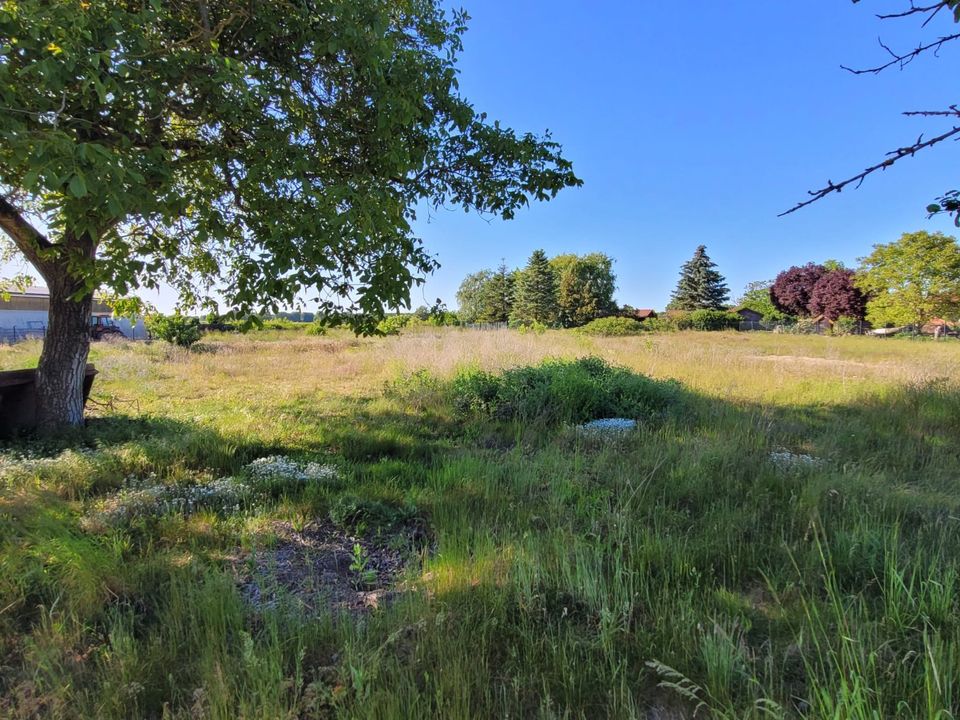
(860, 177)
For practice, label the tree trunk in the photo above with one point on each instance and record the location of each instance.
(63, 361)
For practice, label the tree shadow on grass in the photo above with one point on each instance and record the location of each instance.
(666, 547)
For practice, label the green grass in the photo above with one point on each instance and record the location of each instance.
(677, 568)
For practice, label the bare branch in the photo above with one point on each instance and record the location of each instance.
(916, 10)
(953, 111)
(892, 157)
(905, 59)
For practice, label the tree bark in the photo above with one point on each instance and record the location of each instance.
(63, 360)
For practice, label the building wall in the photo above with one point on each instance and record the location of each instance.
(21, 320)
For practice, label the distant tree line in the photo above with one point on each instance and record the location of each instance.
(904, 283)
(563, 291)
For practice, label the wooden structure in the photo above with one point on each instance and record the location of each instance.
(18, 399)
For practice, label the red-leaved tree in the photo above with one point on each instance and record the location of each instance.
(792, 289)
(836, 296)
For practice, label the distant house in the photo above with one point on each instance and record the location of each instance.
(25, 312)
(748, 315)
(643, 314)
(936, 326)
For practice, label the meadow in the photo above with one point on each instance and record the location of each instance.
(276, 525)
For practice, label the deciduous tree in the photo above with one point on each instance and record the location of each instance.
(836, 295)
(471, 295)
(756, 297)
(247, 150)
(792, 289)
(585, 288)
(912, 280)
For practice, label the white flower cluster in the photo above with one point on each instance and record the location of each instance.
(277, 467)
(141, 499)
(607, 428)
(23, 463)
(786, 460)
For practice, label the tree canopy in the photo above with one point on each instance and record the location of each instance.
(701, 286)
(912, 280)
(585, 287)
(792, 289)
(836, 295)
(249, 151)
(470, 295)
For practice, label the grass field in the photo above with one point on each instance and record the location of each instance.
(782, 540)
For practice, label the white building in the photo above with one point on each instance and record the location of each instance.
(25, 314)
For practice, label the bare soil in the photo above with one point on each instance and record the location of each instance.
(315, 570)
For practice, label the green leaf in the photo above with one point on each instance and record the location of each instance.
(78, 186)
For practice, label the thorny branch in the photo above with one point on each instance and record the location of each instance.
(901, 59)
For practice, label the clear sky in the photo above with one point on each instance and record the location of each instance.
(698, 123)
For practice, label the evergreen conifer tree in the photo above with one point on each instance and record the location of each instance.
(497, 301)
(535, 299)
(700, 287)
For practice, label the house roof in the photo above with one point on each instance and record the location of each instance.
(32, 291)
(644, 312)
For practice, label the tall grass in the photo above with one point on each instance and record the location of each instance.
(674, 572)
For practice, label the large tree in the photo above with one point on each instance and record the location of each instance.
(792, 289)
(836, 295)
(912, 280)
(497, 296)
(585, 287)
(701, 286)
(535, 297)
(242, 150)
(470, 295)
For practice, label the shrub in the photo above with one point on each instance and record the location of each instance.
(535, 327)
(713, 320)
(563, 391)
(845, 325)
(393, 324)
(613, 327)
(176, 329)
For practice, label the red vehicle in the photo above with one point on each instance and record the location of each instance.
(104, 326)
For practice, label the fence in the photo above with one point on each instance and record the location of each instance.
(820, 327)
(486, 326)
(16, 334)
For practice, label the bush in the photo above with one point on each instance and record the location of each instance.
(612, 327)
(393, 324)
(845, 325)
(175, 329)
(563, 391)
(713, 320)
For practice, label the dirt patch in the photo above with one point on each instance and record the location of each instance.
(817, 361)
(318, 569)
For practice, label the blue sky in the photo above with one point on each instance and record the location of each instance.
(698, 123)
